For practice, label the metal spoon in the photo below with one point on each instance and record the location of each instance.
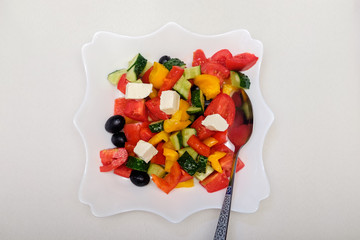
(244, 108)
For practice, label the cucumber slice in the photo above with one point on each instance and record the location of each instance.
(156, 127)
(156, 169)
(201, 176)
(136, 67)
(191, 151)
(186, 134)
(194, 110)
(137, 164)
(192, 72)
(174, 62)
(197, 99)
(188, 163)
(176, 140)
(183, 86)
(239, 80)
(147, 67)
(202, 162)
(115, 76)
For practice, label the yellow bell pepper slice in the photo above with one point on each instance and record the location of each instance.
(154, 93)
(210, 141)
(170, 154)
(168, 165)
(214, 160)
(161, 136)
(171, 125)
(208, 84)
(189, 183)
(169, 145)
(157, 75)
(181, 114)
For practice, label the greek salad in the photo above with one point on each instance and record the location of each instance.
(171, 126)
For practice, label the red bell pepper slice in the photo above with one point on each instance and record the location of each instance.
(159, 158)
(215, 182)
(241, 62)
(195, 143)
(170, 181)
(153, 105)
(199, 58)
(145, 77)
(112, 158)
(172, 77)
(185, 176)
(201, 131)
(122, 83)
(123, 171)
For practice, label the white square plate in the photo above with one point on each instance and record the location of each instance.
(108, 194)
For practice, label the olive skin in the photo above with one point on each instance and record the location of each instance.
(119, 139)
(139, 178)
(115, 124)
(206, 103)
(164, 59)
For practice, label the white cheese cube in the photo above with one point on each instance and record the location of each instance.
(169, 101)
(215, 122)
(145, 150)
(138, 90)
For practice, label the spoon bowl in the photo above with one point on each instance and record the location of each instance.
(239, 133)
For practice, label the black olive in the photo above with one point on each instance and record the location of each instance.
(115, 124)
(119, 139)
(164, 59)
(206, 103)
(139, 178)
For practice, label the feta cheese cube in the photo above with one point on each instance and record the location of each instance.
(138, 90)
(215, 122)
(169, 101)
(145, 150)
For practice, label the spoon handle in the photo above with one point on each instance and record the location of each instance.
(223, 222)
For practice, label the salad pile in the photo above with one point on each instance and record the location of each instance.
(172, 124)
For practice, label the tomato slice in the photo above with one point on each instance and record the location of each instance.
(227, 161)
(119, 106)
(159, 158)
(215, 182)
(199, 58)
(132, 132)
(135, 109)
(201, 131)
(223, 105)
(172, 77)
(215, 69)
(145, 132)
(221, 56)
(112, 158)
(123, 171)
(221, 148)
(145, 77)
(220, 137)
(122, 83)
(153, 105)
(196, 144)
(241, 62)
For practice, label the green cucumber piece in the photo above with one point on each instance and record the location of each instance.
(239, 80)
(194, 110)
(156, 169)
(197, 99)
(186, 134)
(202, 162)
(147, 67)
(188, 163)
(191, 151)
(176, 140)
(182, 87)
(115, 76)
(136, 67)
(157, 126)
(192, 72)
(174, 62)
(137, 164)
(201, 176)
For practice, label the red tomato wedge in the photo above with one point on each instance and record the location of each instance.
(122, 83)
(215, 69)
(199, 58)
(215, 182)
(123, 171)
(135, 109)
(159, 158)
(132, 132)
(153, 105)
(112, 158)
(201, 131)
(221, 137)
(241, 62)
(223, 105)
(145, 77)
(221, 56)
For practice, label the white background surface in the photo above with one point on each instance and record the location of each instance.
(310, 78)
